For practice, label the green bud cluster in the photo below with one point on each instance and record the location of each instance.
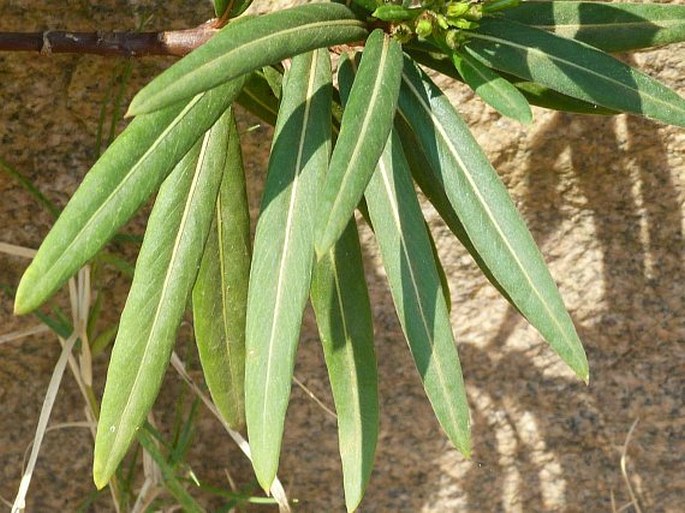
(443, 22)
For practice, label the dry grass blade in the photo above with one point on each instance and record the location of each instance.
(277, 490)
(20, 500)
(14, 250)
(19, 334)
(313, 397)
(80, 306)
(633, 499)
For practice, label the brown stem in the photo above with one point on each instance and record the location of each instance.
(128, 44)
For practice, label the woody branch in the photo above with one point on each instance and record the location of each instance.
(127, 44)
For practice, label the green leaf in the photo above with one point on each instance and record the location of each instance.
(248, 45)
(343, 315)
(444, 283)
(284, 254)
(536, 94)
(496, 91)
(220, 6)
(489, 217)
(409, 263)
(165, 272)
(612, 27)
(117, 185)
(220, 291)
(430, 183)
(365, 126)
(542, 96)
(575, 69)
(259, 99)
(237, 7)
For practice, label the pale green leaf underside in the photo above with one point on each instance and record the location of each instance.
(365, 126)
(612, 27)
(165, 272)
(575, 69)
(220, 291)
(284, 254)
(488, 215)
(247, 45)
(407, 257)
(116, 186)
(343, 315)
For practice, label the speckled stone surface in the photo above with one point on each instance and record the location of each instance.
(604, 199)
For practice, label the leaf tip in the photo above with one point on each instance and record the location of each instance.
(24, 302)
(265, 480)
(101, 473)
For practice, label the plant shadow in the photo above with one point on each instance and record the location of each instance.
(542, 440)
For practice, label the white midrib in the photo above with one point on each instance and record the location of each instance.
(366, 123)
(254, 44)
(349, 351)
(481, 199)
(288, 235)
(224, 298)
(540, 54)
(153, 147)
(506, 97)
(415, 288)
(126, 414)
(575, 28)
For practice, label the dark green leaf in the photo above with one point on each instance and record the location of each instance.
(536, 94)
(430, 183)
(118, 184)
(438, 265)
(612, 27)
(575, 69)
(343, 314)
(409, 263)
(489, 217)
(220, 291)
(246, 46)
(259, 99)
(496, 91)
(284, 254)
(165, 272)
(220, 6)
(542, 96)
(365, 126)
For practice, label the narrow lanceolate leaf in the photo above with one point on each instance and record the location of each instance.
(220, 291)
(416, 289)
(284, 254)
(496, 91)
(118, 184)
(343, 315)
(536, 94)
(245, 46)
(165, 272)
(430, 183)
(365, 126)
(575, 69)
(489, 217)
(612, 27)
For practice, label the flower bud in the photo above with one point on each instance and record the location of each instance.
(424, 27)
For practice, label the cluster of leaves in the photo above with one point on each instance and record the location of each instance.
(335, 150)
